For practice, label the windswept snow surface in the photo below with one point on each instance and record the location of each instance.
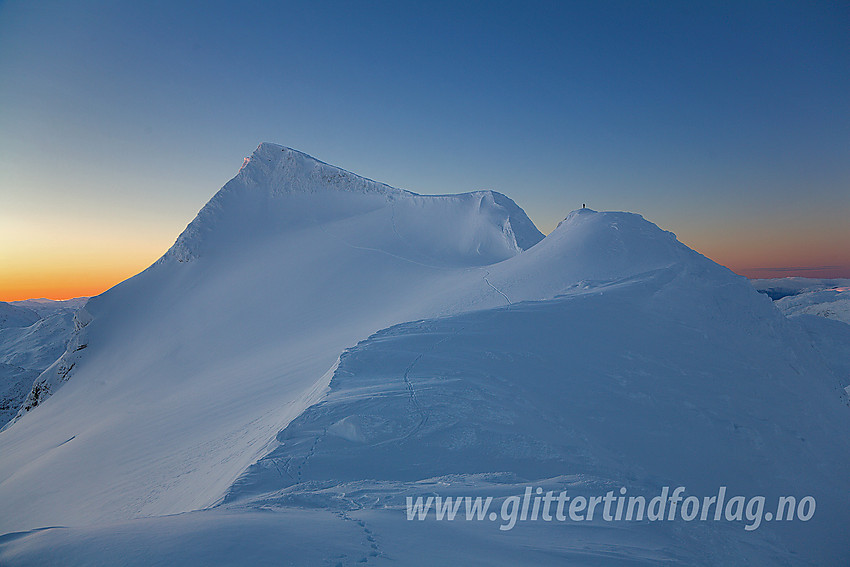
(316, 347)
(192, 367)
(671, 372)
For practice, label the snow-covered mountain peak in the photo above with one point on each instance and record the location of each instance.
(279, 190)
(613, 219)
(624, 242)
(588, 248)
(615, 233)
(337, 344)
(282, 169)
(581, 211)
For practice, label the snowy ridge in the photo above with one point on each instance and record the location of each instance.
(220, 353)
(617, 265)
(587, 385)
(45, 307)
(318, 346)
(274, 172)
(590, 248)
(286, 170)
(16, 316)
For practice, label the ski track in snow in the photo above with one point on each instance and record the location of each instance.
(414, 402)
(424, 415)
(487, 281)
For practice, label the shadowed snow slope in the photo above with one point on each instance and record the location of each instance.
(190, 368)
(681, 375)
(318, 340)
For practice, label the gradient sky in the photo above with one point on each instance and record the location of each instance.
(725, 122)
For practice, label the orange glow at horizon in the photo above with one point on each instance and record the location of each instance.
(772, 260)
(64, 277)
(61, 285)
(67, 276)
(777, 246)
(58, 261)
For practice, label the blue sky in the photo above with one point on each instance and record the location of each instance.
(726, 122)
